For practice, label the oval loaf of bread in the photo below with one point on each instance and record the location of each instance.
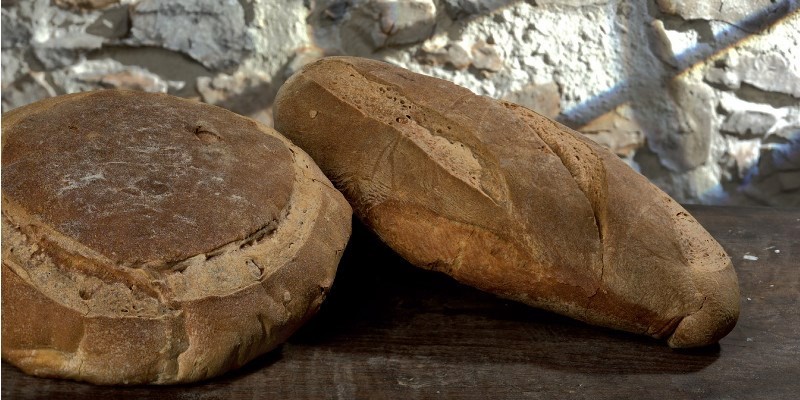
(152, 239)
(508, 201)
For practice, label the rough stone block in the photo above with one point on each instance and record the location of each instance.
(749, 123)
(391, 22)
(689, 146)
(212, 32)
(616, 130)
(105, 74)
(486, 57)
(673, 46)
(543, 98)
(731, 11)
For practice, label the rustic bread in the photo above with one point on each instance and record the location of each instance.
(152, 239)
(508, 201)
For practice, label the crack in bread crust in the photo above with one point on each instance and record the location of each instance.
(625, 256)
(441, 137)
(587, 170)
(122, 160)
(176, 321)
(425, 128)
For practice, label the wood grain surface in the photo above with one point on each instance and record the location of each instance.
(389, 330)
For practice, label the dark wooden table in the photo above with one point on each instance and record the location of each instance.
(390, 331)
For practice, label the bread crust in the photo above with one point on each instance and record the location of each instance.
(85, 298)
(508, 201)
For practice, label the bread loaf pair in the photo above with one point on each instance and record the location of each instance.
(508, 201)
(151, 239)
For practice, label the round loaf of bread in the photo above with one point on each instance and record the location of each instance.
(153, 239)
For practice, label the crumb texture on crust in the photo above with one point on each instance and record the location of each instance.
(508, 201)
(79, 303)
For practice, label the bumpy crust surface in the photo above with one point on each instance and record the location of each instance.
(151, 239)
(508, 201)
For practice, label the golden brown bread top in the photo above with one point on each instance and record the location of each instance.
(234, 237)
(484, 155)
(508, 201)
(382, 133)
(144, 179)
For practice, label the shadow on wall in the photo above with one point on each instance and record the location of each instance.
(756, 169)
(774, 173)
(691, 57)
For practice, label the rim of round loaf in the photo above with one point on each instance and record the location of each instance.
(101, 285)
(508, 201)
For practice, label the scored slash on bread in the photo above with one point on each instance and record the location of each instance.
(152, 239)
(508, 201)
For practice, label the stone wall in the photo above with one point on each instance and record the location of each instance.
(701, 97)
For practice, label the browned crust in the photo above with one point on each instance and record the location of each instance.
(185, 170)
(579, 232)
(69, 311)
